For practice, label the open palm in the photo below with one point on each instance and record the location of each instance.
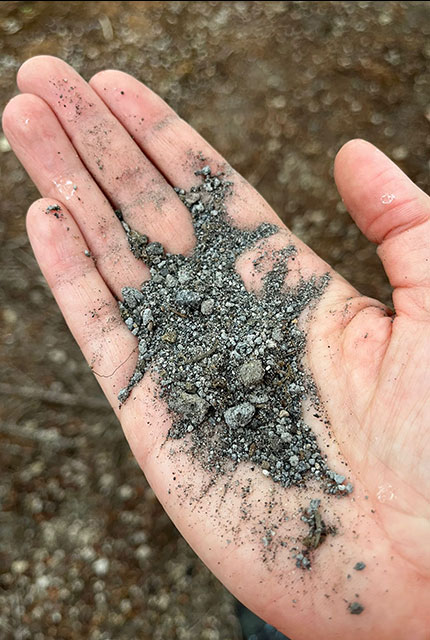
(115, 144)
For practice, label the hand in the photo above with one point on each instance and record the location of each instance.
(115, 144)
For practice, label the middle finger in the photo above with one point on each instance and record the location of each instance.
(117, 164)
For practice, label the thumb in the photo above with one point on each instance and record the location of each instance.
(393, 212)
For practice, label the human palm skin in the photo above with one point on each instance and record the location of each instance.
(115, 144)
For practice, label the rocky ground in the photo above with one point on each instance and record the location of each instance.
(86, 550)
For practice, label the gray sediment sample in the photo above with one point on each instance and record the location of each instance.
(229, 362)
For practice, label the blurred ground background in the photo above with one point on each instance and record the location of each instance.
(85, 549)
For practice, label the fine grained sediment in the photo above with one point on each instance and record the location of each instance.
(229, 362)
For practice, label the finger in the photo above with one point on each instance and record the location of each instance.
(87, 304)
(173, 145)
(393, 212)
(130, 180)
(52, 163)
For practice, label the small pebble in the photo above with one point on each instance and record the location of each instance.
(169, 336)
(355, 608)
(132, 297)
(4, 144)
(190, 405)
(171, 281)
(251, 373)
(188, 298)
(146, 316)
(207, 306)
(240, 415)
(123, 394)
(19, 566)
(101, 566)
(339, 479)
(154, 249)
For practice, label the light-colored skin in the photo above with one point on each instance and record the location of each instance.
(372, 369)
